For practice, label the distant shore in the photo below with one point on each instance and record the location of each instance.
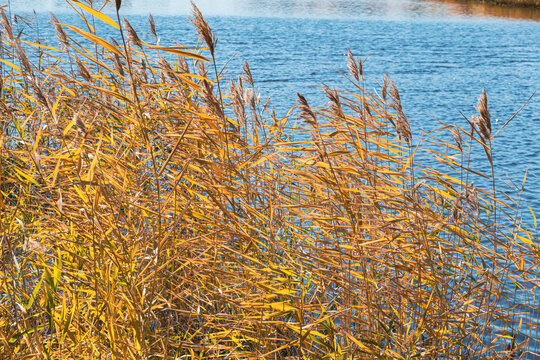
(520, 3)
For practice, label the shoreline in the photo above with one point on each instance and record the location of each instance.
(531, 4)
(496, 8)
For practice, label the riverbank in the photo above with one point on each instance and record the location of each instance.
(519, 3)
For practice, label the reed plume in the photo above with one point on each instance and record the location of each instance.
(132, 34)
(203, 29)
(60, 33)
(237, 101)
(335, 103)
(384, 89)
(247, 74)
(167, 68)
(484, 121)
(402, 126)
(456, 135)
(152, 25)
(306, 113)
(83, 70)
(6, 24)
(118, 67)
(355, 68)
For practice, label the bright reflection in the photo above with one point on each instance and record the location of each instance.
(394, 9)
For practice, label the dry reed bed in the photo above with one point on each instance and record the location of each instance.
(145, 212)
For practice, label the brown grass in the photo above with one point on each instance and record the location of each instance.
(146, 215)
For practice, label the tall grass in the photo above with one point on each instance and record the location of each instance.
(149, 209)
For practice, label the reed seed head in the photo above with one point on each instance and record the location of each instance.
(132, 34)
(36, 246)
(118, 67)
(183, 65)
(23, 58)
(249, 98)
(355, 68)
(306, 113)
(484, 121)
(143, 69)
(335, 103)
(471, 196)
(456, 208)
(201, 69)
(212, 105)
(247, 74)
(402, 125)
(367, 110)
(384, 87)
(152, 25)
(394, 92)
(237, 100)
(167, 68)
(83, 70)
(79, 123)
(458, 140)
(203, 29)
(6, 24)
(60, 33)
(42, 99)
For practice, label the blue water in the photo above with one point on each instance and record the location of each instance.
(439, 65)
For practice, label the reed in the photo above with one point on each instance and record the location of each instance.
(144, 214)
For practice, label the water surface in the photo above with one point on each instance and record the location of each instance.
(301, 8)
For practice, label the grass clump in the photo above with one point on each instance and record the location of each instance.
(146, 213)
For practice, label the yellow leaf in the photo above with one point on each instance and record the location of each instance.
(322, 164)
(40, 45)
(95, 39)
(98, 14)
(178, 51)
(305, 331)
(194, 85)
(10, 64)
(26, 176)
(285, 292)
(358, 343)
(534, 217)
(264, 158)
(282, 306)
(525, 240)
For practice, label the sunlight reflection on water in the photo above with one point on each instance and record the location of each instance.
(394, 9)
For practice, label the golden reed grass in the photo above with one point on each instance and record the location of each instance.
(146, 215)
